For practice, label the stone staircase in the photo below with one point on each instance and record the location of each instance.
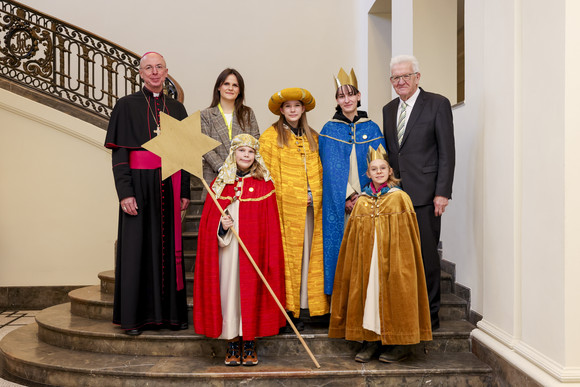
(75, 344)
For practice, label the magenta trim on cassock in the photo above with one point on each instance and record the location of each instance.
(148, 160)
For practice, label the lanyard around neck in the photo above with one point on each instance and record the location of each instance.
(228, 124)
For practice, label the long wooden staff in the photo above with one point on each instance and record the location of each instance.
(262, 276)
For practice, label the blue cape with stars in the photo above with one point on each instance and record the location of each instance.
(336, 141)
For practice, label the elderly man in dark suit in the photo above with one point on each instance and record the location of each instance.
(418, 128)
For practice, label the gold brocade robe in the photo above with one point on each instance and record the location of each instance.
(403, 302)
(293, 168)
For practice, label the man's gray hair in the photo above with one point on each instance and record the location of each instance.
(405, 59)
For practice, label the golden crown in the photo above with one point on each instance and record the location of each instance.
(344, 79)
(380, 153)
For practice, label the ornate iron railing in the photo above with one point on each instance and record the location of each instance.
(63, 61)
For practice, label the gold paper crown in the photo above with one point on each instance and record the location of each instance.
(379, 154)
(344, 79)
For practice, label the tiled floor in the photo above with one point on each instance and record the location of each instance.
(9, 321)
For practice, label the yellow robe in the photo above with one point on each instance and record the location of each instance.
(293, 168)
(403, 302)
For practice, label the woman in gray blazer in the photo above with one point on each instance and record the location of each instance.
(225, 118)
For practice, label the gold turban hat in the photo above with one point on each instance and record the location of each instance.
(291, 94)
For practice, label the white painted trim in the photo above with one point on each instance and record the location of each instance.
(564, 374)
(497, 333)
(526, 359)
(35, 114)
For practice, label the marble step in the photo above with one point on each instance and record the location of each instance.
(452, 307)
(196, 191)
(447, 285)
(107, 279)
(189, 235)
(189, 240)
(29, 360)
(57, 326)
(191, 222)
(189, 260)
(90, 302)
(195, 207)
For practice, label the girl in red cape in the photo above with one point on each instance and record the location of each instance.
(230, 300)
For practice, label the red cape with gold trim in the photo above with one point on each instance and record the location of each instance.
(259, 229)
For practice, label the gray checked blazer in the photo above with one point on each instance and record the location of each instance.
(213, 125)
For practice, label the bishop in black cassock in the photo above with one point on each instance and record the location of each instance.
(149, 276)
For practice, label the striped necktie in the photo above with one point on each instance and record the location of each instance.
(401, 122)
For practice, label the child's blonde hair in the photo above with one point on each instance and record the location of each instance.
(392, 181)
(258, 171)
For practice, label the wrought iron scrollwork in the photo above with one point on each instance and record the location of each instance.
(65, 61)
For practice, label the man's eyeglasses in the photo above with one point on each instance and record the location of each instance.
(404, 77)
(150, 68)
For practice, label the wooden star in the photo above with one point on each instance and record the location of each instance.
(181, 145)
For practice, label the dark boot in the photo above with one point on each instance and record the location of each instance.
(368, 350)
(394, 353)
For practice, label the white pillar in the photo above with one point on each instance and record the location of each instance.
(531, 218)
(402, 11)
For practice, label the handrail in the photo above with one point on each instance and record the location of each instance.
(66, 62)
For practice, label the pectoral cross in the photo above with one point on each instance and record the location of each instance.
(157, 131)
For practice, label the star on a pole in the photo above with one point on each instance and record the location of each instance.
(181, 145)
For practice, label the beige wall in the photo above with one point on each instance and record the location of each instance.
(530, 269)
(542, 135)
(57, 201)
(513, 235)
(59, 227)
(435, 42)
(572, 181)
(273, 44)
(462, 224)
(502, 152)
(379, 88)
(513, 224)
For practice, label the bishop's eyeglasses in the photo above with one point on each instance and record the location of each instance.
(149, 68)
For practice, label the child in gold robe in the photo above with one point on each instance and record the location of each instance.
(290, 150)
(380, 294)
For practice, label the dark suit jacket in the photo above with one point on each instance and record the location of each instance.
(425, 161)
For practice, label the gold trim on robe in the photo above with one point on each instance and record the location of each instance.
(294, 168)
(403, 302)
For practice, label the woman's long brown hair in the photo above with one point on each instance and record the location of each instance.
(241, 111)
